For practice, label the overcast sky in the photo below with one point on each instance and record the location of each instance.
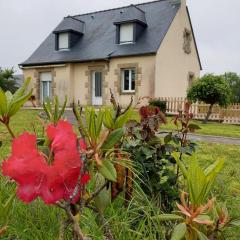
(24, 24)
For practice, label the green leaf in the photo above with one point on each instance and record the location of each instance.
(3, 103)
(193, 126)
(56, 110)
(22, 89)
(99, 122)
(123, 119)
(108, 119)
(201, 235)
(108, 170)
(63, 107)
(103, 199)
(92, 124)
(180, 164)
(168, 217)
(113, 138)
(179, 232)
(168, 138)
(18, 103)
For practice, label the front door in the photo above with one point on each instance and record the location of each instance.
(96, 88)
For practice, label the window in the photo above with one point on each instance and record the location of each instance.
(128, 80)
(45, 85)
(126, 33)
(63, 41)
(191, 78)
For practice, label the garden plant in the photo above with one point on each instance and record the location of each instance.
(112, 171)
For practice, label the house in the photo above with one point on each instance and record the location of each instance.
(140, 50)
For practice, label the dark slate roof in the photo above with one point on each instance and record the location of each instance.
(99, 39)
(131, 14)
(70, 24)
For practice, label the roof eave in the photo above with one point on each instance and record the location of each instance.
(22, 65)
(194, 39)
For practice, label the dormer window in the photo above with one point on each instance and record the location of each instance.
(130, 24)
(63, 41)
(126, 33)
(68, 33)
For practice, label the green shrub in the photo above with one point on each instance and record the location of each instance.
(159, 103)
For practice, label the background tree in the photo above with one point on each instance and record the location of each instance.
(233, 80)
(211, 89)
(8, 80)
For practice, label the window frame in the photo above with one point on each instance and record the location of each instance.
(68, 43)
(120, 33)
(130, 80)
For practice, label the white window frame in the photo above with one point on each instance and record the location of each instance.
(49, 82)
(130, 80)
(126, 27)
(63, 37)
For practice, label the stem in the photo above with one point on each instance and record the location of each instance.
(77, 232)
(9, 130)
(106, 228)
(208, 114)
(96, 193)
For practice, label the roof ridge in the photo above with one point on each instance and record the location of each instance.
(110, 9)
(73, 17)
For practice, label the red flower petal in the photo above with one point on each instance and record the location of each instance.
(35, 177)
(83, 145)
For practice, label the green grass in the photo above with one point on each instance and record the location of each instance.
(25, 120)
(40, 222)
(212, 128)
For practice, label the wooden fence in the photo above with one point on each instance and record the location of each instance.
(230, 115)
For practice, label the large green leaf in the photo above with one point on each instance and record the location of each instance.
(18, 103)
(113, 138)
(108, 170)
(103, 199)
(123, 119)
(179, 232)
(3, 103)
(20, 92)
(108, 119)
(99, 121)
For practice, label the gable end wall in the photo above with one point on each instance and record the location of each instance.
(173, 65)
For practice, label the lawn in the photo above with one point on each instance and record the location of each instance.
(212, 128)
(32, 222)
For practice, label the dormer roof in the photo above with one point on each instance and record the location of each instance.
(70, 24)
(131, 14)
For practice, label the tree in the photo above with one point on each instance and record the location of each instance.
(8, 80)
(211, 89)
(233, 80)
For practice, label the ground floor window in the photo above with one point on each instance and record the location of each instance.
(45, 85)
(128, 80)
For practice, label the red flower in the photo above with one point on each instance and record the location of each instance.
(83, 145)
(35, 178)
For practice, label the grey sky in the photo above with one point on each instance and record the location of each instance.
(24, 24)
